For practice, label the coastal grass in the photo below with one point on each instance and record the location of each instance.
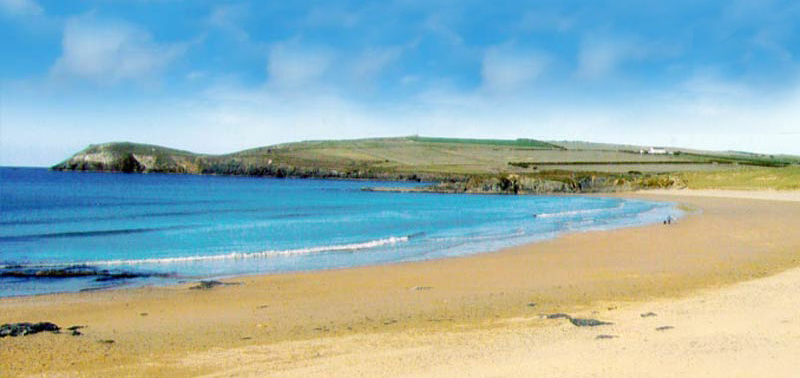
(445, 157)
(786, 178)
(521, 142)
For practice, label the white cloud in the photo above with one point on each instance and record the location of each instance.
(708, 82)
(410, 79)
(370, 63)
(232, 117)
(438, 26)
(328, 16)
(292, 66)
(20, 7)
(706, 93)
(768, 41)
(196, 75)
(547, 20)
(598, 57)
(506, 70)
(228, 17)
(600, 54)
(108, 52)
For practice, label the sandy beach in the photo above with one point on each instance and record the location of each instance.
(723, 281)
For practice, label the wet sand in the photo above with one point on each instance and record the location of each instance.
(465, 316)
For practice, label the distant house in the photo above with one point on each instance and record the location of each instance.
(655, 151)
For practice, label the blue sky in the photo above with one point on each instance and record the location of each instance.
(220, 76)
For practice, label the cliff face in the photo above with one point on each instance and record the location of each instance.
(131, 158)
(139, 158)
(565, 183)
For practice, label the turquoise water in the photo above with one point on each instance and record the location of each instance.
(156, 229)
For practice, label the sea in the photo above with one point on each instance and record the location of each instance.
(83, 231)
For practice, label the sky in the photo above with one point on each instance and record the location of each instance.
(222, 76)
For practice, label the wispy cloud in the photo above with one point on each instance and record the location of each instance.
(292, 65)
(228, 17)
(371, 62)
(601, 56)
(108, 52)
(504, 69)
(438, 25)
(709, 82)
(330, 16)
(20, 7)
(281, 71)
(547, 20)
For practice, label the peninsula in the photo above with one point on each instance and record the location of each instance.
(465, 165)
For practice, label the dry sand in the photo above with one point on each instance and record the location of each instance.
(468, 316)
(771, 195)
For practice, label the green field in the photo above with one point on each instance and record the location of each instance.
(787, 178)
(522, 142)
(476, 156)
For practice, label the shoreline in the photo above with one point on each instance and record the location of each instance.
(168, 279)
(767, 195)
(576, 272)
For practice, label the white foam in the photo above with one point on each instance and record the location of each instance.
(250, 255)
(571, 213)
(579, 212)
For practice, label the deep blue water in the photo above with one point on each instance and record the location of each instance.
(183, 227)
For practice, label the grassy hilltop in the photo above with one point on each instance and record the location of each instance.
(471, 165)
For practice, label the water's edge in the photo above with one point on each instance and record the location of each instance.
(102, 223)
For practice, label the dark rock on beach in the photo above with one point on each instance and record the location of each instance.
(73, 271)
(117, 276)
(578, 322)
(648, 314)
(205, 285)
(75, 329)
(664, 328)
(23, 329)
(601, 337)
(588, 322)
(210, 284)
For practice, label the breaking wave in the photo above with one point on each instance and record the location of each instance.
(249, 255)
(570, 213)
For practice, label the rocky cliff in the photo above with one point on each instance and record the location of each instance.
(130, 157)
(567, 182)
(142, 158)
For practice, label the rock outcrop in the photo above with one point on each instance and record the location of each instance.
(567, 182)
(130, 158)
(23, 329)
